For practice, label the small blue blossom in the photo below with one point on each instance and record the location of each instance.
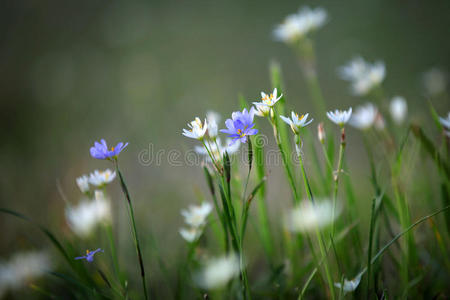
(101, 151)
(90, 255)
(240, 125)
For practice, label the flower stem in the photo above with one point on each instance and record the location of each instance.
(133, 227)
(336, 178)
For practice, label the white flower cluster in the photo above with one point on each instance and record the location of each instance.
(97, 179)
(308, 217)
(195, 217)
(218, 272)
(364, 76)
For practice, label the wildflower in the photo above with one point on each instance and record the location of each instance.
(100, 150)
(321, 132)
(445, 122)
(212, 118)
(190, 234)
(309, 216)
(196, 215)
(364, 116)
(84, 217)
(349, 285)
(363, 75)
(240, 125)
(197, 129)
(100, 179)
(340, 117)
(90, 255)
(269, 99)
(83, 183)
(262, 110)
(296, 26)
(218, 272)
(296, 122)
(435, 81)
(23, 267)
(398, 109)
(217, 149)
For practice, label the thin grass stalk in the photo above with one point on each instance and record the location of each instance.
(112, 248)
(134, 229)
(336, 178)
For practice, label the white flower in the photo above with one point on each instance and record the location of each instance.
(101, 178)
(218, 152)
(23, 267)
(445, 122)
(191, 234)
(398, 109)
(84, 217)
(364, 116)
(307, 216)
(83, 183)
(296, 122)
(363, 75)
(340, 117)
(296, 26)
(262, 110)
(197, 214)
(212, 118)
(269, 99)
(218, 272)
(349, 285)
(197, 129)
(434, 81)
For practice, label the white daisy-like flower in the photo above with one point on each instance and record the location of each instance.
(218, 272)
(83, 183)
(308, 217)
(217, 149)
(23, 267)
(101, 178)
(445, 122)
(435, 81)
(364, 116)
(363, 75)
(196, 130)
(262, 110)
(84, 217)
(296, 26)
(196, 215)
(212, 118)
(296, 122)
(191, 234)
(398, 109)
(269, 99)
(349, 285)
(340, 117)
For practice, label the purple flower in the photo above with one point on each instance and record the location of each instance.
(240, 125)
(100, 150)
(90, 255)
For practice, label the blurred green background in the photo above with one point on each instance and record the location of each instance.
(73, 72)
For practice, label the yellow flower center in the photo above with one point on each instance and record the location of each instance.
(300, 118)
(241, 133)
(112, 148)
(87, 252)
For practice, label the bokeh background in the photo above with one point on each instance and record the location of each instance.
(72, 72)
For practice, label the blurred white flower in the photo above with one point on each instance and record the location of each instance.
(364, 116)
(262, 110)
(101, 178)
(83, 183)
(308, 217)
(218, 272)
(269, 99)
(296, 122)
(84, 217)
(398, 109)
(191, 234)
(349, 285)
(340, 117)
(196, 130)
(196, 215)
(21, 268)
(231, 148)
(212, 118)
(296, 26)
(435, 81)
(363, 75)
(445, 122)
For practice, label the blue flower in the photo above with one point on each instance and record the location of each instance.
(101, 151)
(240, 125)
(90, 255)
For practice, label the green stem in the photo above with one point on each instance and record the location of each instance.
(336, 178)
(109, 233)
(133, 227)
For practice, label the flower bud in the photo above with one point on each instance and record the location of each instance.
(321, 132)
